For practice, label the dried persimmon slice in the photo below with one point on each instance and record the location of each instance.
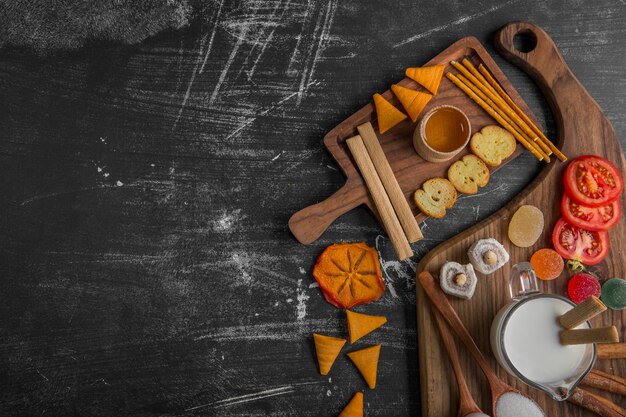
(349, 274)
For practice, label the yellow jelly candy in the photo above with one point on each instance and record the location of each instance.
(526, 226)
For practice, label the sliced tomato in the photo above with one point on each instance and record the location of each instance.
(586, 246)
(591, 218)
(592, 181)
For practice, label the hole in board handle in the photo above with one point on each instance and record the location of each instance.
(525, 41)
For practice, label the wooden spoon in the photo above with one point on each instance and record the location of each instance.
(439, 300)
(467, 405)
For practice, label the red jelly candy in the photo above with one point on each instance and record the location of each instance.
(582, 286)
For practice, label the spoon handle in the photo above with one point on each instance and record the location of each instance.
(439, 300)
(467, 404)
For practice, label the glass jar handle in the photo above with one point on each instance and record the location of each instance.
(522, 281)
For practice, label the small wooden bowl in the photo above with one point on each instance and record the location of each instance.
(425, 150)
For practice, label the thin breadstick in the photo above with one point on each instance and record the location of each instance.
(583, 336)
(494, 83)
(539, 155)
(480, 82)
(584, 311)
(482, 95)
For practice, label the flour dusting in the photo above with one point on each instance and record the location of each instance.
(302, 298)
(242, 262)
(227, 220)
(395, 267)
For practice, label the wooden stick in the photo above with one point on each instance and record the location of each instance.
(583, 336)
(381, 200)
(484, 86)
(596, 403)
(492, 113)
(584, 311)
(394, 192)
(612, 351)
(494, 83)
(605, 382)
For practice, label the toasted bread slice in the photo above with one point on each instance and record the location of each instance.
(435, 196)
(468, 173)
(493, 144)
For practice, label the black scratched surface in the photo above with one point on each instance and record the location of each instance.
(146, 267)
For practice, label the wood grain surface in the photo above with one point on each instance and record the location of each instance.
(146, 266)
(581, 129)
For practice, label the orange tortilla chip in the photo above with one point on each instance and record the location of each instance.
(366, 361)
(428, 77)
(360, 325)
(388, 116)
(327, 349)
(354, 407)
(412, 101)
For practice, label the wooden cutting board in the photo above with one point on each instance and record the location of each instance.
(409, 168)
(582, 129)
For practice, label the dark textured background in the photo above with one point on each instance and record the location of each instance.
(146, 267)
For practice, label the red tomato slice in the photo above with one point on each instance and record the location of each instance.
(591, 218)
(583, 245)
(592, 181)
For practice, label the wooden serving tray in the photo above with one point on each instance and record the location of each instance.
(582, 129)
(409, 168)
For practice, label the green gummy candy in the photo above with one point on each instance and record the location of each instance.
(614, 294)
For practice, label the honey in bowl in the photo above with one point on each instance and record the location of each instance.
(446, 129)
(442, 133)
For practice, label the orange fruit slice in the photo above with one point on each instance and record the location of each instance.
(388, 116)
(349, 274)
(354, 407)
(327, 349)
(366, 361)
(428, 77)
(412, 101)
(360, 325)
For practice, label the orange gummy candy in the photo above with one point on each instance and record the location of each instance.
(547, 264)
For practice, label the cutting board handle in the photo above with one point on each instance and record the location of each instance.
(308, 224)
(539, 57)
(537, 53)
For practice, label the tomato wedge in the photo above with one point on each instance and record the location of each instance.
(586, 246)
(591, 218)
(592, 181)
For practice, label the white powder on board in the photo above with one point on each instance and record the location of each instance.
(513, 404)
(302, 298)
(227, 220)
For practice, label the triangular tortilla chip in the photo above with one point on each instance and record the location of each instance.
(421, 100)
(327, 349)
(361, 324)
(428, 77)
(354, 407)
(366, 361)
(388, 116)
(412, 101)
